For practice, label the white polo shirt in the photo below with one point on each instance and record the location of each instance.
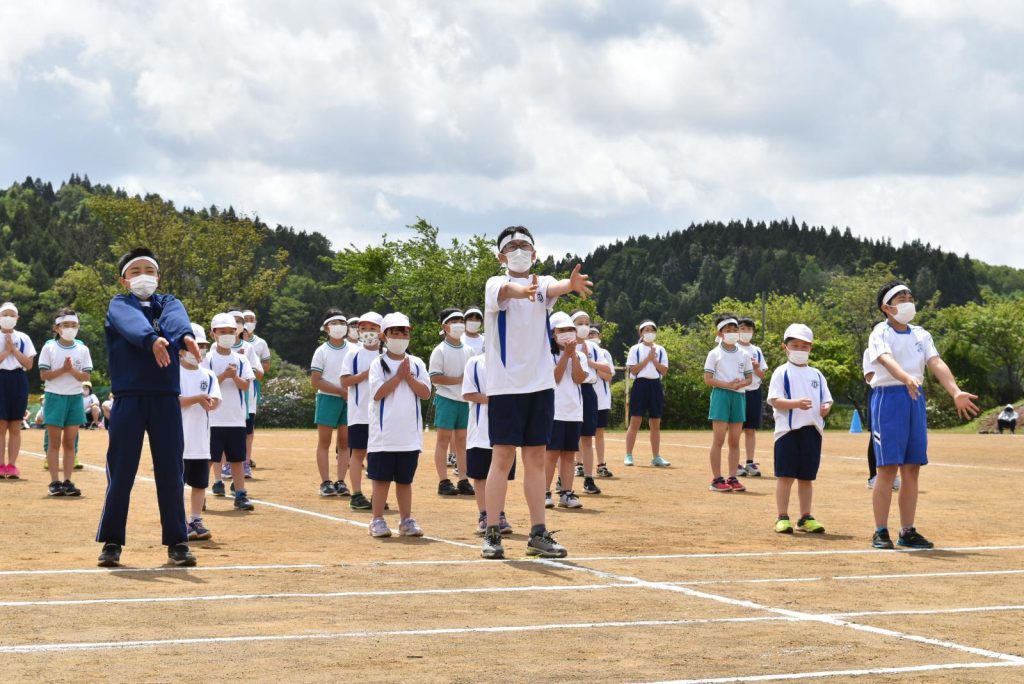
(593, 354)
(755, 354)
(195, 421)
(52, 356)
(911, 349)
(604, 389)
(396, 422)
(260, 346)
(475, 343)
(474, 379)
(798, 382)
(729, 365)
(328, 359)
(356, 361)
(247, 349)
(449, 360)
(519, 353)
(638, 352)
(568, 395)
(233, 410)
(24, 345)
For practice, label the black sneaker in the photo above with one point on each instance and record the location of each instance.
(242, 502)
(180, 555)
(589, 487)
(492, 545)
(327, 488)
(466, 488)
(881, 539)
(70, 489)
(912, 539)
(446, 488)
(110, 556)
(602, 470)
(579, 470)
(218, 488)
(79, 466)
(197, 531)
(358, 502)
(341, 488)
(545, 546)
(55, 488)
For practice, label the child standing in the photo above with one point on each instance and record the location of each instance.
(16, 355)
(246, 349)
(604, 400)
(355, 374)
(64, 364)
(800, 398)
(398, 382)
(564, 441)
(727, 371)
(200, 394)
(755, 400)
(261, 350)
(595, 365)
(647, 363)
(899, 354)
(474, 339)
(451, 413)
(331, 408)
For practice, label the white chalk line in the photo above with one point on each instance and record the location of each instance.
(842, 673)
(946, 465)
(168, 568)
(842, 578)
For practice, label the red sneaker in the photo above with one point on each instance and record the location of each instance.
(13, 473)
(3, 471)
(735, 485)
(720, 485)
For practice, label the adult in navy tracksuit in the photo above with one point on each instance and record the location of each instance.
(144, 332)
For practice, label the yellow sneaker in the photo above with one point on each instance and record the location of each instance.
(809, 524)
(783, 526)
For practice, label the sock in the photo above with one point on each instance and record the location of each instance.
(537, 530)
(784, 517)
(586, 475)
(905, 530)
(881, 529)
(192, 518)
(749, 461)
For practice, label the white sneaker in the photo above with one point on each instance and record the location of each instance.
(569, 500)
(451, 460)
(659, 462)
(627, 460)
(379, 528)
(548, 501)
(753, 470)
(741, 472)
(409, 528)
(871, 482)
(896, 485)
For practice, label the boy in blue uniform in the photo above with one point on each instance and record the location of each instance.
(144, 332)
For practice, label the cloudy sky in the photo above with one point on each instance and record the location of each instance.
(585, 120)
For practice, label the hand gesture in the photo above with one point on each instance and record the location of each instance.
(531, 289)
(737, 383)
(580, 282)
(207, 402)
(191, 345)
(68, 364)
(163, 358)
(825, 409)
(804, 404)
(652, 353)
(403, 368)
(965, 406)
(914, 387)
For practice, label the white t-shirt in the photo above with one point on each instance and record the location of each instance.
(24, 345)
(474, 379)
(638, 352)
(329, 359)
(195, 421)
(396, 422)
(261, 347)
(911, 349)
(865, 364)
(517, 357)
(604, 390)
(356, 361)
(89, 400)
(755, 354)
(233, 409)
(568, 395)
(728, 365)
(52, 356)
(474, 343)
(245, 348)
(449, 360)
(803, 382)
(593, 354)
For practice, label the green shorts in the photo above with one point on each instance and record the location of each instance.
(331, 411)
(450, 414)
(727, 406)
(61, 410)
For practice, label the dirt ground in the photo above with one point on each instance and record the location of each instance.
(665, 580)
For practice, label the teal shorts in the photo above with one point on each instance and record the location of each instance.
(62, 410)
(331, 411)
(727, 406)
(450, 414)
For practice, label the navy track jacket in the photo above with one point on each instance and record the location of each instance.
(130, 331)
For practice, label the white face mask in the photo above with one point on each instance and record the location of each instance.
(745, 337)
(398, 346)
(190, 359)
(798, 358)
(565, 338)
(582, 331)
(226, 341)
(369, 337)
(353, 334)
(457, 330)
(731, 338)
(8, 322)
(649, 337)
(905, 312)
(336, 331)
(143, 286)
(250, 326)
(473, 326)
(68, 334)
(520, 260)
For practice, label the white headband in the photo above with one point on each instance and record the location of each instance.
(141, 258)
(893, 292)
(65, 319)
(727, 321)
(514, 236)
(339, 317)
(578, 314)
(453, 314)
(9, 305)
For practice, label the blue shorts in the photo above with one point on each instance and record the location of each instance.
(358, 435)
(899, 427)
(589, 411)
(602, 418)
(197, 472)
(521, 420)
(13, 394)
(392, 466)
(478, 464)
(755, 405)
(798, 453)
(250, 423)
(565, 435)
(647, 397)
(227, 443)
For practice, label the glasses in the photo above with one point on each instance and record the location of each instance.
(518, 244)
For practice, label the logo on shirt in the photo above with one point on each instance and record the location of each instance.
(540, 297)
(814, 384)
(204, 385)
(919, 347)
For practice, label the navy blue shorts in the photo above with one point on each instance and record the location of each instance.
(755, 404)
(358, 435)
(478, 464)
(899, 426)
(589, 410)
(521, 419)
(13, 394)
(602, 418)
(392, 466)
(565, 435)
(250, 423)
(227, 443)
(646, 397)
(798, 453)
(197, 473)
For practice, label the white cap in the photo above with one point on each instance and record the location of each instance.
(578, 314)
(645, 324)
(560, 319)
(223, 320)
(235, 313)
(395, 320)
(198, 333)
(798, 331)
(371, 317)
(9, 306)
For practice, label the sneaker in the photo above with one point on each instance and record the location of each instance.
(602, 470)
(358, 502)
(197, 531)
(70, 489)
(503, 525)
(78, 466)
(218, 488)
(379, 528)
(452, 461)
(4, 468)
(783, 526)
(446, 488)
(492, 545)
(466, 488)
(232, 488)
(225, 470)
(753, 470)
(55, 489)
(242, 502)
(110, 556)
(912, 539)
(252, 464)
(741, 472)
(719, 485)
(545, 546)
(548, 501)
(481, 525)
(871, 482)
(327, 488)
(589, 487)
(409, 528)
(735, 485)
(341, 488)
(568, 499)
(579, 470)
(659, 462)
(628, 460)
(881, 539)
(809, 524)
(13, 473)
(896, 485)
(180, 555)
(247, 470)
(455, 470)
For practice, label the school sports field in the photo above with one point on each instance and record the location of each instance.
(665, 580)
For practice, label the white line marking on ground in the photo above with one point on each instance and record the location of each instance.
(935, 611)
(947, 465)
(168, 568)
(840, 578)
(842, 673)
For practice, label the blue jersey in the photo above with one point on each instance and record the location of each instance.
(130, 330)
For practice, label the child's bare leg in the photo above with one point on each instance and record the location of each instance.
(719, 429)
(734, 446)
(909, 475)
(566, 462)
(783, 488)
(586, 455)
(53, 444)
(380, 497)
(238, 476)
(68, 442)
(403, 493)
(497, 482)
(881, 495)
(323, 447)
(343, 453)
(805, 490)
(196, 501)
(355, 469)
(655, 425)
(550, 461)
(459, 447)
(444, 438)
